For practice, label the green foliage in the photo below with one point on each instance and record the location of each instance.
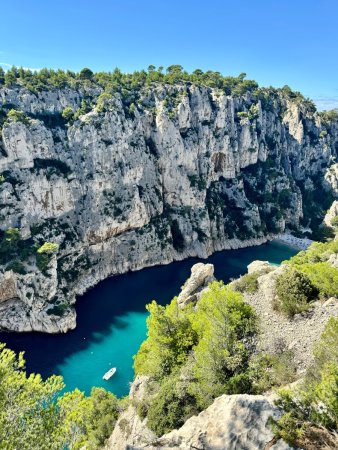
(323, 276)
(169, 340)
(334, 221)
(85, 107)
(317, 252)
(326, 351)
(48, 247)
(33, 415)
(29, 417)
(249, 281)
(13, 247)
(117, 81)
(197, 181)
(225, 326)
(10, 77)
(294, 292)
(17, 116)
(68, 114)
(313, 263)
(329, 116)
(195, 355)
(271, 370)
(44, 254)
(42, 262)
(17, 267)
(57, 310)
(103, 101)
(88, 421)
(315, 401)
(86, 74)
(2, 76)
(172, 405)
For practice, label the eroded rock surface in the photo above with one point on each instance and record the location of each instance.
(120, 191)
(232, 422)
(201, 276)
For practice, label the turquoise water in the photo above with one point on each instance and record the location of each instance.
(111, 320)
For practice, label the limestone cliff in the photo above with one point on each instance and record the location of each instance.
(187, 171)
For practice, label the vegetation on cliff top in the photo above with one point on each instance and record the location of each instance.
(126, 83)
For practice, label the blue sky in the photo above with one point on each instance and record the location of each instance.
(275, 42)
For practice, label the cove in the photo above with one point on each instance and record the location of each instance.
(111, 320)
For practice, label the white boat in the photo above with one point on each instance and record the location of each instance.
(109, 374)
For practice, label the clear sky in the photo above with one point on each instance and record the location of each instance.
(276, 42)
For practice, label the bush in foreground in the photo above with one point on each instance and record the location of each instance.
(34, 416)
(294, 292)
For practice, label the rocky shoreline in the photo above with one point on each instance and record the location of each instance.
(293, 241)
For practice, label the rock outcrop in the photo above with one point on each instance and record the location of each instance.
(232, 422)
(130, 430)
(122, 189)
(258, 266)
(201, 276)
(331, 214)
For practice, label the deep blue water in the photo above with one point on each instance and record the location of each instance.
(111, 320)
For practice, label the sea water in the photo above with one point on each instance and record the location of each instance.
(111, 320)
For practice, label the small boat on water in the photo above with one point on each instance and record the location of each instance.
(109, 374)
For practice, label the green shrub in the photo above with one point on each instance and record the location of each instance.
(103, 101)
(34, 414)
(317, 252)
(42, 262)
(272, 370)
(48, 248)
(57, 310)
(68, 114)
(334, 221)
(170, 339)
(294, 292)
(86, 74)
(17, 267)
(171, 406)
(223, 321)
(249, 281)
(314, 402)
(323, 277)
(17, 116)
(195, 355)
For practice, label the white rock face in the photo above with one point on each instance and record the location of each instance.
(232, 422)
(257, 266)
(120, 191)
(331, 214)
(201, 276)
